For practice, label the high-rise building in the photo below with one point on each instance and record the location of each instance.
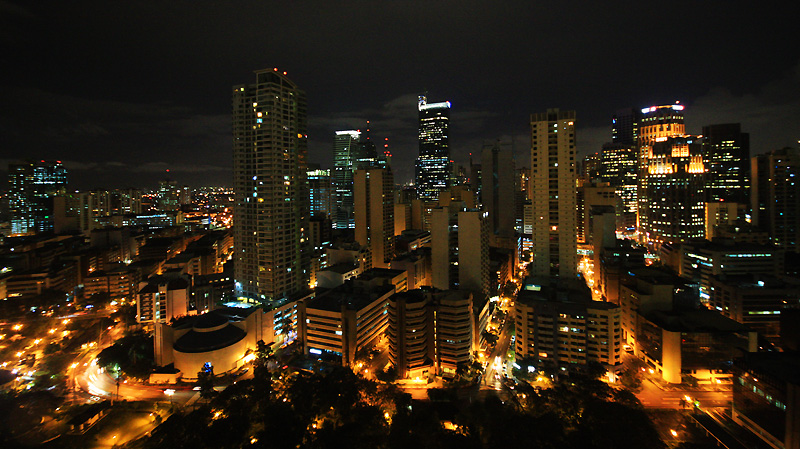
(775, 196)
(625, 126)
(497, 163)
(522, 179)
(460, 250)
(31, 189)
(656, 124)
(619, 169)
(321, 192)
(726, 156)
(553, 193)
(168, 195)
(374, 213)
(674, 192)
(345, 154)
(433, 163)
(271, 208)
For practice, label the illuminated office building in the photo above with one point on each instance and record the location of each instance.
(553, 194)
(657, 123)
(168, 195)
(726, 158)
(321, 192)
(433, 163)
(619, 169)
(31, 189)
(271, 208)
(345, 154)
(674, 191)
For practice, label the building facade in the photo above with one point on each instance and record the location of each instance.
(498, 192)
(726, 157)
(32, 187)
(433, 163)
(553, 194)
(656, 124)
(345, 154)
(271, 195)
(672, 191)
(558, 328)
(775, 196)
(374, 213)
(460, 250)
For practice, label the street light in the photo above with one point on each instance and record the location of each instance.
(169, 392)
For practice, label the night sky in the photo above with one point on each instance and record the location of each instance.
(123, 91)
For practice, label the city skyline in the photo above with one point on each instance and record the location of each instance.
(140, 90)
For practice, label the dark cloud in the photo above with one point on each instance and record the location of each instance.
(129, 85)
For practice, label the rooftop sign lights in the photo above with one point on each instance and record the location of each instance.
(423, 104)
(674, 107)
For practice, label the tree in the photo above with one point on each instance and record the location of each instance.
(205, 379)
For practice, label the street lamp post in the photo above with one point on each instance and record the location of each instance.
(169, 392)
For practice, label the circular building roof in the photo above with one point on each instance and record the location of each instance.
(209, 322)
(209, 339)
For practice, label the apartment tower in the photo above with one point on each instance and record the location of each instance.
(271, 194)
(553, 194)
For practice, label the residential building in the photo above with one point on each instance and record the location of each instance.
(559, 327)
(374, 209)
(553, 194)
(460, 250)
(272, 245)
(498, 191)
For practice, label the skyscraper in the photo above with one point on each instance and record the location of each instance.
(321, 192)
(345, 154)
(271, 208)
(726, 155)
(374, 211)
(674, 192)
(433, 163)
(31, 189)
(497, 165)
(775, 196)
(625, 126)
(460, 249)
(618, 168)
(553, 193)
(656, 124)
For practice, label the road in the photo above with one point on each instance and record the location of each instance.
(654, 397)
(95, 381)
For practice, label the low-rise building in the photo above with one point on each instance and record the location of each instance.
(351, 317)
(754, 300)
(766, 397)
(700, 343)
(559, 327)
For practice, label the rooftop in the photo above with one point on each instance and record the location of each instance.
(700, 320)
(349, 295)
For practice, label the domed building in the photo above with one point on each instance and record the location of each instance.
(212, 338)
(220, 338)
